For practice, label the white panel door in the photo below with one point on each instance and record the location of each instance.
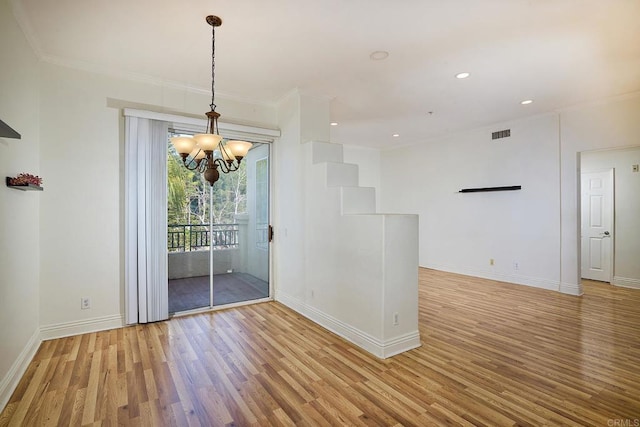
(597, 225)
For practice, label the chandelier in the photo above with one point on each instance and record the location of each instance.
(206, 152)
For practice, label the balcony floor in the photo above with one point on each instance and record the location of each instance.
(193, 292)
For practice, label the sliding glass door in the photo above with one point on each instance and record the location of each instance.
(218, 237)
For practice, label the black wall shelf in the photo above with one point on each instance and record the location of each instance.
(485, 189)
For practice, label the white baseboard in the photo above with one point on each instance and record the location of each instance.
(518, 279)
(401, 344)
(626, 282)
(67, 329)
(571, 288)
(379, 348)
(18, 368)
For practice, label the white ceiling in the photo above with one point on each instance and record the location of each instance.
(557, 52)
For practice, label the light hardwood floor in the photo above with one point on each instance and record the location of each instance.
(492, 354)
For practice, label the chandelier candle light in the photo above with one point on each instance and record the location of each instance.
(205, 152)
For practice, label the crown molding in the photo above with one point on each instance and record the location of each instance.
(27, 29)
(30, 34)
(147, 79)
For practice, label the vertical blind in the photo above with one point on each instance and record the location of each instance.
(146, 276)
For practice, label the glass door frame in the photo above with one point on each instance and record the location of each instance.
(270, 188)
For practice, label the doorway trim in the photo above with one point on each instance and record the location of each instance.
(621, 159)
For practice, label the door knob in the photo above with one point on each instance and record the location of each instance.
(606, 233)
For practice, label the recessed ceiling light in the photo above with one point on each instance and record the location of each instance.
(379, 55)
(462, 75)
(526, 101)
(395, 135)
(334, 123)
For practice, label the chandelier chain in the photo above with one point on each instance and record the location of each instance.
(213, 67)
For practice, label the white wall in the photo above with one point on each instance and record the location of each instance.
(368, 161)
(301, 118)
(325, 261)
(538, 227)
(462, 232)
(289, 201)
(80, 215)
(19, 211)
(626, 231)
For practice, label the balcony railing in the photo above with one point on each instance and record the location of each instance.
(198, 237)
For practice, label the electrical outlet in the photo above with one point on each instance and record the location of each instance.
(516, 266)
(229, 271)
(312, 293)
(491, 261)
(395, 319)
(85, 303)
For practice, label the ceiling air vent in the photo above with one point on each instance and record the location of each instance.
(501, 134)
